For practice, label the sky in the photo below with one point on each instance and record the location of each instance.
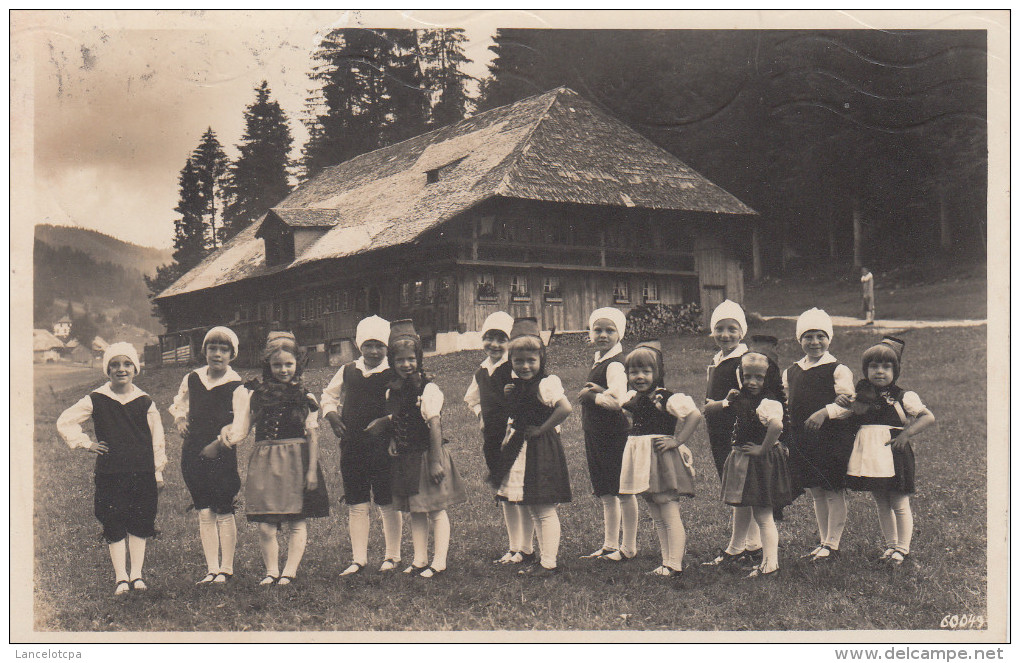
(122, 98)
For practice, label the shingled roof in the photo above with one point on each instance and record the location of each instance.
(555, 147)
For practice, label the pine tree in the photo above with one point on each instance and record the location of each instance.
(211, 165)
(258, 179)
(442, 55)
(190, 228)
(371, 95)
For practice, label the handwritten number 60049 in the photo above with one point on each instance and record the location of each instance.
(963, 621)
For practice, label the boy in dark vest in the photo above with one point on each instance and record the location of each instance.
(354, 404)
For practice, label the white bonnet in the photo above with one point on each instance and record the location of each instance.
(729, 309)
(814, 318)
(614, 315)
(372, 328)
(500, 321)
(222, 331)
(118, 349)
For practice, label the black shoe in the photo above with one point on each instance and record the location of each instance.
(752, 558)
(528, 558)
(724, 560)
(539, 571)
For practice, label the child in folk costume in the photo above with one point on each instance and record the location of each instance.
(284, 485)
(131, 455)
(882, 460)
(201, 408)
(756, 474)
(605, 435)
(819, 439)
(532, 468)
(425, 480)
(354, 404)
(728, 327)
(656, 461)
(485, 398)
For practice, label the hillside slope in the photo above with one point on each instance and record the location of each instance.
(104, 248)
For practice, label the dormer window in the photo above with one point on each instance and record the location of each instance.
(432, 176)
(279, 239)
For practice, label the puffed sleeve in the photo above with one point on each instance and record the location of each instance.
(242, 416)
(158, 440)
(473, 397)
(550, 390)
(843, 379)
(431, 401)
(331, 394)
(770, 411)
(613, 397)
(70, 420)
(912, 404)
(312, 420)
(182, 401)
(680, 405)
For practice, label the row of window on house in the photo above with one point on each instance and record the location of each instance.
(307, 307)
(620, 234)
(423, 292)
(552, 289)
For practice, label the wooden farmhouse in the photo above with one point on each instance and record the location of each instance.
(546, 207)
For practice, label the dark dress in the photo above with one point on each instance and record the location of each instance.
(413, 488)
(126, 497)
(280, 458)
(605, 435)
(721, 379)
(762, 480)
(212, 482)
(494, 411)
(879, 422)
(365, 463)
(545, 466)
(818, 459)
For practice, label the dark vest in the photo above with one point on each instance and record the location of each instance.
(209, 410)
(747, 428)
(490, 393)
(599, 419)
(409, 430)
(525, 404)
(364, 398)
(649, 419)
(810, 391)
(125, 430)
(721, 379)
(279, 411)
(883, 413)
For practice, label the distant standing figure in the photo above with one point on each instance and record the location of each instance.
(868, 295)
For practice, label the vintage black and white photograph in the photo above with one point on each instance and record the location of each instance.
(358, 326)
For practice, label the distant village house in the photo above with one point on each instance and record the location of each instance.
(546, 207)
(46, 347)
(62, 327)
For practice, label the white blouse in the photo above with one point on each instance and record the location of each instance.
(616, 380)
(242, 423)
(69, 423)
(182, 401)
(770, 411)
(472, 397)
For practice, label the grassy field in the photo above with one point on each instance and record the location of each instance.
(914, 292)
(74, 581)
